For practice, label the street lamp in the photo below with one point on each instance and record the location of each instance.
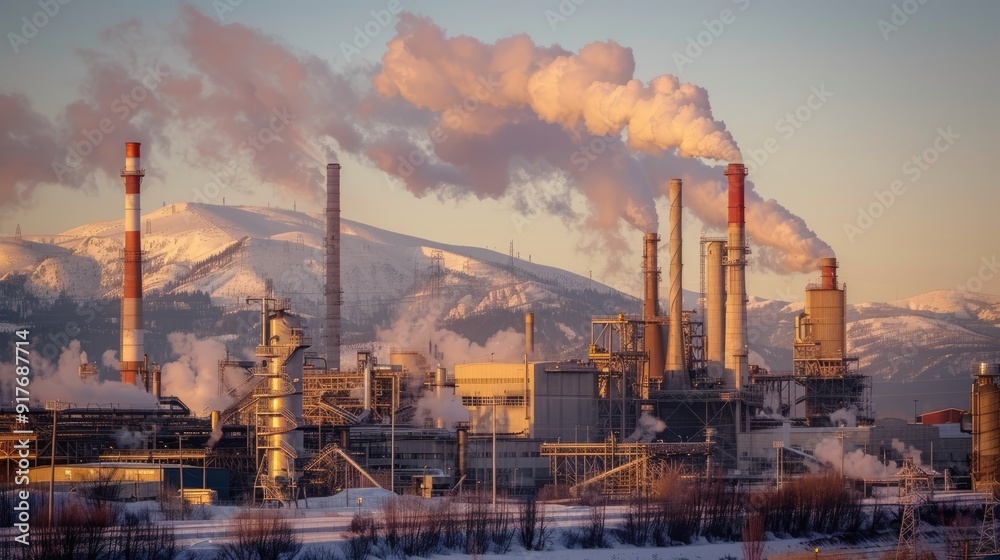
(816, 551)
(778, 446)
(55, 407)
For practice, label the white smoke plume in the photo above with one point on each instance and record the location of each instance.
(845, 417)
(109, 359)
(61, 381)
(858, 464)
(216, 436)
(194, 375)
(128, 439)
(418, 324)
(446, 407)
(646, 429)
(450, 116)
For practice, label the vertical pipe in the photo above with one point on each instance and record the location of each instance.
(529, 333)
(156, 382)
(131, 321)
(653, 338)
(715, 308)
(333, 291)
(736, 288)
(675, 341)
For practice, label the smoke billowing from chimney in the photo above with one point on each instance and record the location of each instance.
(448, 116)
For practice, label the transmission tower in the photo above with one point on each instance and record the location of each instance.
(913, 480)
(437, 273)
(17, 234)
(988, 534)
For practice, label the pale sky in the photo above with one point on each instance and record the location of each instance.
(886, 81)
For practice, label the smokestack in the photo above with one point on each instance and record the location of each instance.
(333, 292)
(828, 273)
(529, 334)
(156, 382)
(675, 340)
(715, 307)
(132, 347)
(736, 285)
(651, 310)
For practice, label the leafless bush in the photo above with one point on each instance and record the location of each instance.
(94, 531)
(172, 505)
(532, 529)
(593, 534)
(259, 535)
(753, 536)
(501, 532)
(554, 492)
(642, 519)
(818, 504)
(409, 527)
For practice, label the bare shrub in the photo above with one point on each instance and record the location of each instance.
(532, 528)
(259, 535)
(643, 519)
(593, 534)
(753, 536)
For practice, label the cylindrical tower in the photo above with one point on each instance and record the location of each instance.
(675, 340)
(986, 428)
(653, 338)
(826, 310)
(715, 307)
(529, 334)
(284, 410)
(333, 292)
(736, 285)
(132, 334)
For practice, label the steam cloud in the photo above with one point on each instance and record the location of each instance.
(858, 464)
(646, 429)
(61, 381)
(194, 375)
(448, 116)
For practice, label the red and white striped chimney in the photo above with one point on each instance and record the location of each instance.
(132, 352)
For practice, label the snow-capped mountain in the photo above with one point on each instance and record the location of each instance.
(230, 252)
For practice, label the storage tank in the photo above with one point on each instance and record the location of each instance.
(411, 360)
(826, 312)
(986, 428)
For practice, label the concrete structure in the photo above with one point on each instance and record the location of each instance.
(986, 428)
(736, 285)
(334, 296)
(715, 306)
(677, 367)
(545, 400)
(132, 346)
(653, 338)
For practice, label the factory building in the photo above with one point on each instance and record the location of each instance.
(541, 400)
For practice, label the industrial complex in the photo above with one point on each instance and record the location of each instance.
(659, 392)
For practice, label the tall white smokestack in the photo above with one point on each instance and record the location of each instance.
(736, 285)
(132, 333)
(715, 307)
(675, 342)
(333, 292)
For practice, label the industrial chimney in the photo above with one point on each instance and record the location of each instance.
(736, 285)
(132, 348)
(529, 334)
(333, 292)
(675, 340)
(651, 310)
(715, 306)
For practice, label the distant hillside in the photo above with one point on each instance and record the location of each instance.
(228, 252)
